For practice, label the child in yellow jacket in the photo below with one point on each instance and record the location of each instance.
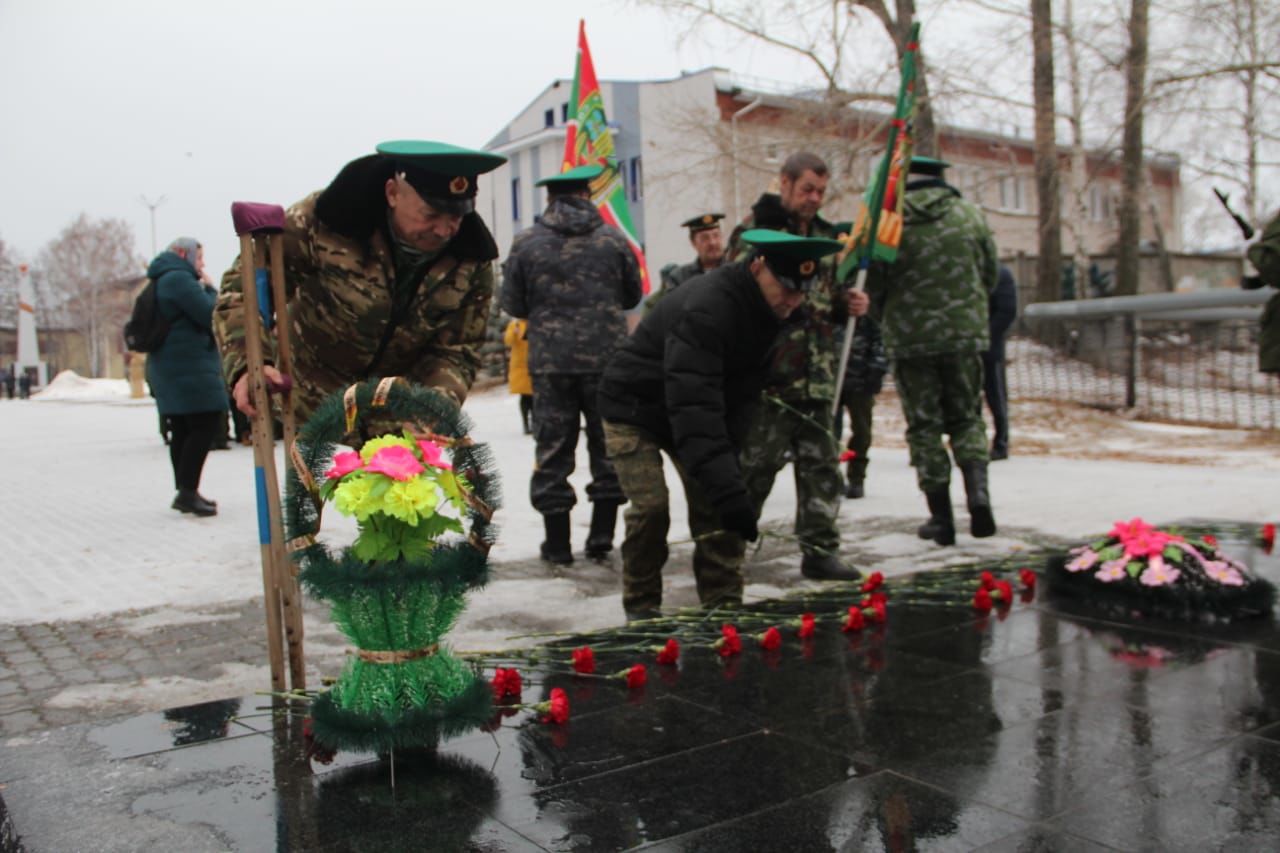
(518, 369)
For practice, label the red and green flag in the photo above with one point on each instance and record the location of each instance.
(877, 231)
(589, 141)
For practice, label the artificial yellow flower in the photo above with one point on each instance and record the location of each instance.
(352, 497)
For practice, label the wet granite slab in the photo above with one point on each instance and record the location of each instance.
(1049, 727)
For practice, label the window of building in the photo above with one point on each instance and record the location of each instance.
(564, 112)
(515, 199)
(635, 182)
(1100, 208)
(549, 118)
(1012, 193)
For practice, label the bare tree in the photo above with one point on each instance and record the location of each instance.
(79, 267)
(8, 287)
(1049, 233)
(1127, 250)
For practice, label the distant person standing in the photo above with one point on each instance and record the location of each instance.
(24, 385)
(185, 374)
(8, 381)
(518, 380)
(708, 245)
(1003, 310)
(1265, 257)
(571, 275)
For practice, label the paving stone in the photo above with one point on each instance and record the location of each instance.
(39, 682)
(113, 672)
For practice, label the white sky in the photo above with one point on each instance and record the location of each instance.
(264, 100)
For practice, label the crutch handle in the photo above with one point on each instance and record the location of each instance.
(251, 217)
(283, 386)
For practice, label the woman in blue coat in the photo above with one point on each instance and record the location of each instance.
(185, 374)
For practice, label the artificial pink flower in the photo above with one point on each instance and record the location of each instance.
(344, 464)
(1086, 558)
(771, 639)
(1112, 570)
(396, 462)
(1223, 573)
(434, 456)
(1158, 573)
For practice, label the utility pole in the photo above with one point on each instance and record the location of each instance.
(151, 206)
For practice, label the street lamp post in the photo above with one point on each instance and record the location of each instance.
(151, 206)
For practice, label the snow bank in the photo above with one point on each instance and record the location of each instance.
(70, 387)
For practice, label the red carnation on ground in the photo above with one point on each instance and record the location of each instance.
(987, 580)
(1210, 539)
(506, 683)
(807, 624)
(982, 601)
(771, 639)
(670, 653)
(1004, 593)
(729, 643)
(1268, 536)
(636, 676)
(556, 709)
(855, 621)
(879, 610)
(1027, 578)
(873, 582)
(584, 660)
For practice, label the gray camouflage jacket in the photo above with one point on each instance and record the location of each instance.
(571, 276)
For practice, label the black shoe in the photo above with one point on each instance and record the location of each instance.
(941, 526)
(556, 548)
(998, 453)
(982, 521)
(604, 517)
(824, 567)
(189, 501)
(854, 490)
(643, 614)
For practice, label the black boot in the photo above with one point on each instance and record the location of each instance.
(826, 567)
(604, 516)
(941, 526)
(556, 548)
(189, 500)
(982, 523)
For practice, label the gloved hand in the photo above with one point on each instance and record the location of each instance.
(740, 517)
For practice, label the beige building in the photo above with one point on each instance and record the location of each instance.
(706, 141)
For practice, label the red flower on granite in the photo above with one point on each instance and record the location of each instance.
(807, 624)
(771, 639)
(556, 709)
(873, 582)
(1027, 578)
(848, 455)
(1210, 539)
(1004, 593)
(636, 676)
(506, 683)
(1268, 537)
(729, 643)
(854, 621)
(584, 660)
(987, 580)
(982, 601)
(879, 611)
(670, 653)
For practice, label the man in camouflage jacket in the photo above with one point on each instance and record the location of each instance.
(388, 272)
(932, 302)
(571, 275)
(708, 246)
(795, 419)
(1264, 255)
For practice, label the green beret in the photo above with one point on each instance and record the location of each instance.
(572, 180)
(793, 259)
(444, 175)
(704, 222)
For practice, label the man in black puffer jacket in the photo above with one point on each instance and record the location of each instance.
(684, 384)
(571, 276)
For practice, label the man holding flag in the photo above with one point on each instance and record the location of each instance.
(933, 303)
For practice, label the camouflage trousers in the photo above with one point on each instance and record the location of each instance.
(561, 401)
(801, 432)
(860, 408)
(717, 560)
(942, 394)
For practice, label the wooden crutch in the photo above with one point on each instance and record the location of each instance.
(282, 597)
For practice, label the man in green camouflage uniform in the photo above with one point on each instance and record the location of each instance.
(708, 244)
(388, 272)
(795, 419)
(933, 305)
(1264, 255)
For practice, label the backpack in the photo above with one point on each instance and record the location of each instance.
(147, 327)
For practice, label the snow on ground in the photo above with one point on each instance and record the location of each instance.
(69, 386)
(87, 529)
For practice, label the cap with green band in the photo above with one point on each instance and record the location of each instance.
(444, 175)
(792, 259)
